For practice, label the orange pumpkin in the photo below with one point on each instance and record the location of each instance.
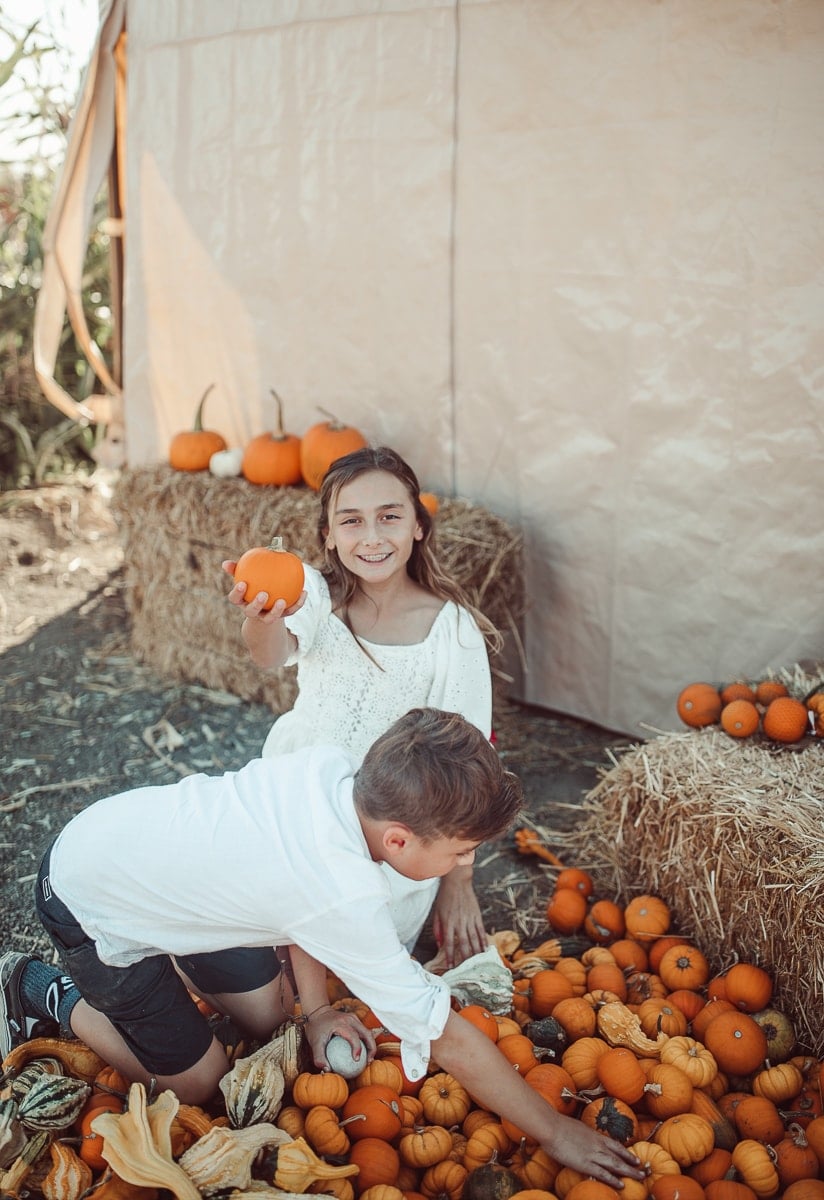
(273, 570)
(669, 1091)
(689, 1002)
(795, 1158)
(684, 967)
(646, 918)
(573, 877)
(659, 1015)
(748, 987)
(425, 1145)
(444, 1100)
(323, 1131)
(686, 1137)
(481, 1018)
(191, 449)
(311, 1088)
(605, 921)
(546, 989)
(372, 1111)
(377, 1161)
(566, 910)
(273, 458)
(676, 1187)
(630, 955)
(699, 704)
(90, 1150)
(757, 1117)
(805, 1189)
(736, 1042)
(576, 1016)
(621, 1075)
(323, 444)
(612, 1117)
(444, 1181)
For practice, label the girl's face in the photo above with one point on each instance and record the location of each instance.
(373, 527)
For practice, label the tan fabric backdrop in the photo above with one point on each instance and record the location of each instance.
(566, 257)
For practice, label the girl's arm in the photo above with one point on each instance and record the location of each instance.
(474, 1061)
(456, 918)
(322, 1021)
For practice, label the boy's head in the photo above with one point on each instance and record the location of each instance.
(437, 774)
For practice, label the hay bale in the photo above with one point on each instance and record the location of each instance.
(730, 835)
(178, 527)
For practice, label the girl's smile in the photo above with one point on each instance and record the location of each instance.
(372, 523)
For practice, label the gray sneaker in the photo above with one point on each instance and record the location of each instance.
(12, 1015)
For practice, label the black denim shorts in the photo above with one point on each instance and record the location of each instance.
(148, 1002)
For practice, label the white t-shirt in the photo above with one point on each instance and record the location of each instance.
(345, 699)
(272, 854)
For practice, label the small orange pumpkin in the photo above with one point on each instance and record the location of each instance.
(736, 1042)
(566, 910)
(323, 444)
(748, 987)
(273, 570)
(377, 1161)
(191, 449)
(757, 1117)
(605, 921)
(699, 704)
(273, 458)
(372, 1111)
(684, 967)
(646, 918)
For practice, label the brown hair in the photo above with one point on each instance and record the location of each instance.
(423, 564)
(436, 772)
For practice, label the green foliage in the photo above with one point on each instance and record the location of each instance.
(38, 444)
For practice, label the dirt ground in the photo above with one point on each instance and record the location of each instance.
(83, 719)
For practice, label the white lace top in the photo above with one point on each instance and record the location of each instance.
(344, 699)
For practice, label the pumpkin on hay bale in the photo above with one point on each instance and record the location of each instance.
(730, 835)
(177, 528)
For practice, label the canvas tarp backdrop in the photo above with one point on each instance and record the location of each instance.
(566, 257)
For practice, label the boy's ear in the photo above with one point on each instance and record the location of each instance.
(395, 839)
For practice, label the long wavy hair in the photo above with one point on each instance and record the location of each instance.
(423, 565)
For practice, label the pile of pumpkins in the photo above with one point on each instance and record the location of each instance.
(615, 1020)
(278, 459)
(743, 709)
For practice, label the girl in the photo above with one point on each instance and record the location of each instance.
(378, 630)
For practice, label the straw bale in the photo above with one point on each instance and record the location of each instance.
(178, 527)
(730, 834)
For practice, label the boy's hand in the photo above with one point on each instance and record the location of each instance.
(322, 1025)
(279, 610)
(456, 920)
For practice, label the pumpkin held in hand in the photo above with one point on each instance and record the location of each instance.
(273, 458)
(192, 449)
(273, 570)
(324, 443)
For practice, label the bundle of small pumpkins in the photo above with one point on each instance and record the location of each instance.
(743, 709)
(614, 1020)
(279, 459)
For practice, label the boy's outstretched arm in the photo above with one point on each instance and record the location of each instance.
(472, 1059)
(322, 1020)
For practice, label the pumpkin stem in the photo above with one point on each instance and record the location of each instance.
(276, 544)
(198, 426)
(281, 436)
(334, 422)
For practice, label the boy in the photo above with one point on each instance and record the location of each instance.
(151, 893)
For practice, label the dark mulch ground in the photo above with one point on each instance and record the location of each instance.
(83, 719)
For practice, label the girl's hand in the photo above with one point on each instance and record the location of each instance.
(322, 1025)
(279, 610)
(456, 920)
